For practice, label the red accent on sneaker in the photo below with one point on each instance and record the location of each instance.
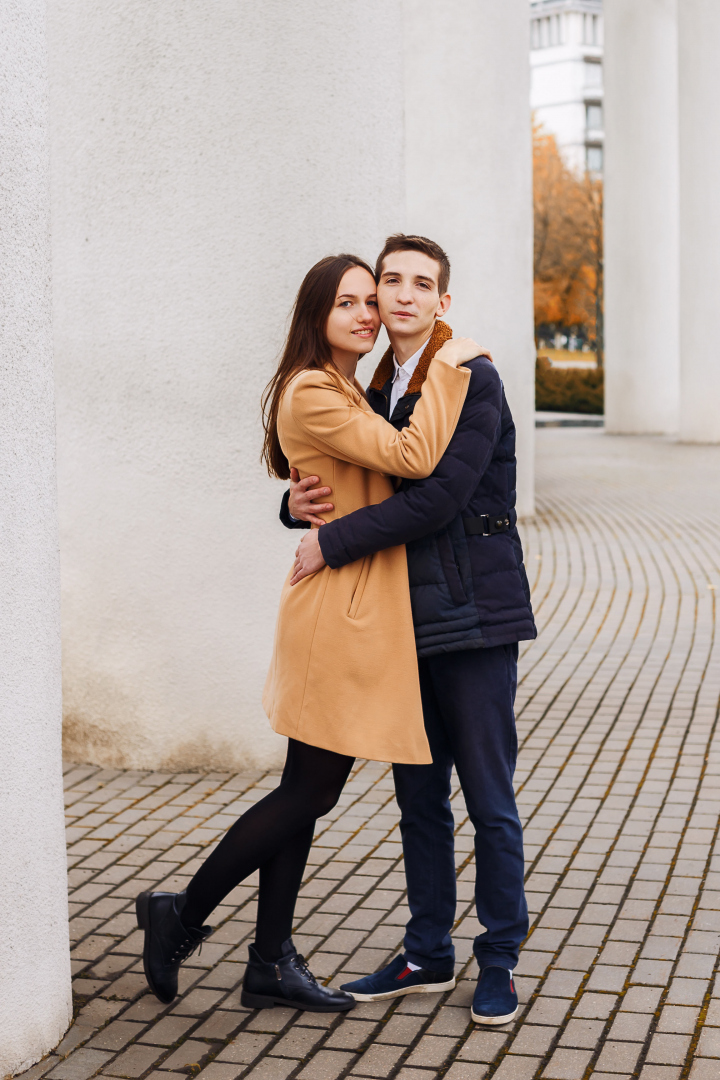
(403, 974)
(512, 984)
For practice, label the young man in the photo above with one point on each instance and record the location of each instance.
(471, 606)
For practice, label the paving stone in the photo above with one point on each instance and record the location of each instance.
(562, 983)
(517, 1068)
(190, 1053)
(567, 1064)
(134, 1061)
(378, 1060)
(630, 1026)
(432, 1051)
(400, 1029)
(245, 1047)
(532, 1040)
(449, 1021)
(709, 1044)
(219, 1025)
(668, 1049)
(607, 978)
(326, 1065)
(80, 1065)
(549, 1011)
(298, 1042)
(641, 999)
(350, 1034)
(582, 1034)
(461, 1070)
(595, 1006)
(618, 1056)
(483, 1046)
(687, 991)
(116, 1035)
(416, 1074)
(272, 1069)
(678, 1019)
(198, 1002)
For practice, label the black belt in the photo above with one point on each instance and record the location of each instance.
(486, 525)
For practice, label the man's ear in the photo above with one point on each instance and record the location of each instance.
(443, 305)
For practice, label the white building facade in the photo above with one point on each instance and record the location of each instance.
(566, 90)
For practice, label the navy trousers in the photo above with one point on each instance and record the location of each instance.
(468, 700)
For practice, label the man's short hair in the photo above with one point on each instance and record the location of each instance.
(401, 242)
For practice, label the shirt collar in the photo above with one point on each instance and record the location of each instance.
(405, 371)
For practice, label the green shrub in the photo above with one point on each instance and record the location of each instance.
(567, 389)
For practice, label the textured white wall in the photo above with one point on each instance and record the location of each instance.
(699, 49)
(35, 999)
(204, 156)
(469, 181)
(642, 290)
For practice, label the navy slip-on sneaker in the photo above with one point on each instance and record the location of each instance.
(397, 979)
(495, 1000)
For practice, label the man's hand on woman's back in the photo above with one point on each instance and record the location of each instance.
(301, 503)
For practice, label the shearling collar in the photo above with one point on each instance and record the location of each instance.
(384, 371)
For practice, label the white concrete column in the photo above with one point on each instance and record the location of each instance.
(699, 41)
(35, 998)
(469, 181)
(204, 157)
(642, 328)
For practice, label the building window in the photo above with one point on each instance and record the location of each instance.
(594, 159)
(593, 73)
(546, 31)
(594, 116)
(591, 30)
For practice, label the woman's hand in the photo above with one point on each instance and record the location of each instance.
(458, 351)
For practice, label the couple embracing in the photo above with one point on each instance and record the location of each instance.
(396, 639)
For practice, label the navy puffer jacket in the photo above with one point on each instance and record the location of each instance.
(467, 591)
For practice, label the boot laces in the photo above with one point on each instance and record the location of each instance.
(185, 950)
(302, 965)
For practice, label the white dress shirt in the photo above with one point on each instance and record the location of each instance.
(403, 375)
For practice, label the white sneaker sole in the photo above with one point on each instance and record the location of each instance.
(423, 988)
(494, 1019)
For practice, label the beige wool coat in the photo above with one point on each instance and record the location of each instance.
(344, 673)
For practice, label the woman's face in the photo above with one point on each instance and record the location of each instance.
(354, 321)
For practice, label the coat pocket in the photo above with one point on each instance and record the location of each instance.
(450, 566)
(359, 589)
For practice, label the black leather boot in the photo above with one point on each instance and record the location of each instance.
(288, 981)
(167, 942)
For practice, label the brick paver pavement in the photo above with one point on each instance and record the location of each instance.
(618, 788)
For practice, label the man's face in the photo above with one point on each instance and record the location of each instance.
(407, 293)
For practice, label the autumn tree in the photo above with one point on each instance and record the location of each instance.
(568, 258)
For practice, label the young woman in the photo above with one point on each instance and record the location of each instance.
(330, 689)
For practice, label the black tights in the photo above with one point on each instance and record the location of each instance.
(274, 836)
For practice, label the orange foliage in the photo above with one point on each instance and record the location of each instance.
(568, 260)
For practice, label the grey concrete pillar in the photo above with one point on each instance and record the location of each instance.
(204, 157)
(35, 997)
(642, 321)
(699, 49)
(469, 181)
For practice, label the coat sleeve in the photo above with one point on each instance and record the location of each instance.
(290, 522)
(431, 503)
(337, 425)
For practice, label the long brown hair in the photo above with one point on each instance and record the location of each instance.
(306, 346)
